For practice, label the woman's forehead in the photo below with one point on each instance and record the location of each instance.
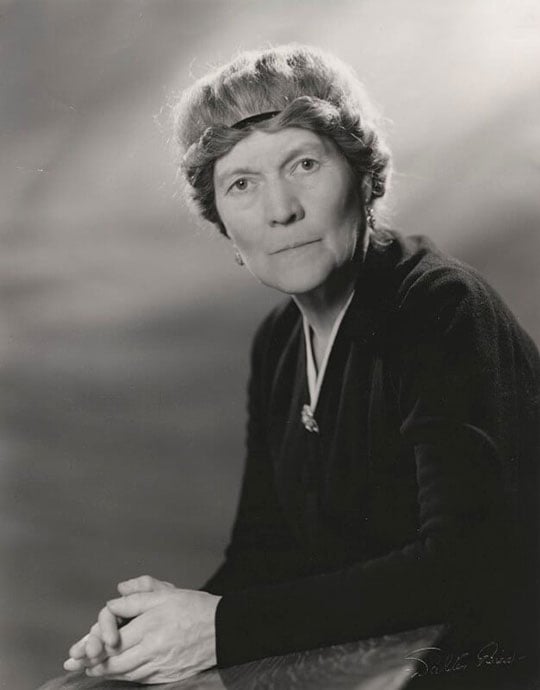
(271, 147)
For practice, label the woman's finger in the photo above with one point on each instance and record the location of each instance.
(78, 649)
(125, 662)
(74, 665)
(89, 651)
(133, 605)
(108, 627)
(131, 635)
(143, 674)
(97, 652)
(143, 583)
(95, 649)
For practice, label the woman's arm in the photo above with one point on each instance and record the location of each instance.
(262, 549)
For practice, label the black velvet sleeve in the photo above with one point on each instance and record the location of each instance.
(461, 366)
(261, 549)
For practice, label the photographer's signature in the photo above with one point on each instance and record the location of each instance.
(439, 661)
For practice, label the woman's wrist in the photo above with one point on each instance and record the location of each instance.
(211, 637)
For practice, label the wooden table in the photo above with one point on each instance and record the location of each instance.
(412, 659)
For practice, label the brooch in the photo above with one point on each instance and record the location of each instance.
(308, 420)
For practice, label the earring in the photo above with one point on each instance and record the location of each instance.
(370, 217)
(238, 258)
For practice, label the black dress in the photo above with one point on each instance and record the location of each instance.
(417, 501)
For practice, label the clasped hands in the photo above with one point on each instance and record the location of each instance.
(169, 634)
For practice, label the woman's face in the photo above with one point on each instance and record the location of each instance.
(288, 203)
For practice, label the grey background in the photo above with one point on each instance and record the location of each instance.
(126, 326)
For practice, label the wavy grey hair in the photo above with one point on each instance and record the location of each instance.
(308, 87)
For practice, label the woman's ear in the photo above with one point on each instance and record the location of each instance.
(366, 188)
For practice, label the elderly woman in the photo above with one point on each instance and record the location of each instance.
(392, 444)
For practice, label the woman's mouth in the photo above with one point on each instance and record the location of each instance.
(294, 245)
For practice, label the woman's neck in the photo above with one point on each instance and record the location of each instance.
(322, 305)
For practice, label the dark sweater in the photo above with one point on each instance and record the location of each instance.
(417, 502)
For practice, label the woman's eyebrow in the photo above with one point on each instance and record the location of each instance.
(303, 150)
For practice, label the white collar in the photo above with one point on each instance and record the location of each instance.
(315, 378)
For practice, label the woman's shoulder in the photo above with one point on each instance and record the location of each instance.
(429, 280)
(420, 266)
(434, 295)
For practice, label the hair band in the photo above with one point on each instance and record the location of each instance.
(253, 119)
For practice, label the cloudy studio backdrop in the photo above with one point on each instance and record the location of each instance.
(126, 326)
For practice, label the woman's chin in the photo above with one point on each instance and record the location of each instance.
(296, 284)
(303, 277)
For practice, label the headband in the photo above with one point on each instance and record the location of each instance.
(253, 119)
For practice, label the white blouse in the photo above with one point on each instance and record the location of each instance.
(314, 377)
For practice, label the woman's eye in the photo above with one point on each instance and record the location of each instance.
(239, 185)
(308, 164)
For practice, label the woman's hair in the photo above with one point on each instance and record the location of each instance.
(307, 87)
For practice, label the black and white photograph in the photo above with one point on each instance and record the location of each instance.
(269, 366)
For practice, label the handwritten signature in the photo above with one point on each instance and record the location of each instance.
(439, 661)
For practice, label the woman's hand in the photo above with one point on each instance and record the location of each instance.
(103, 639)
(171, 636)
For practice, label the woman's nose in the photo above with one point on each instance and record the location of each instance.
(283, 206)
